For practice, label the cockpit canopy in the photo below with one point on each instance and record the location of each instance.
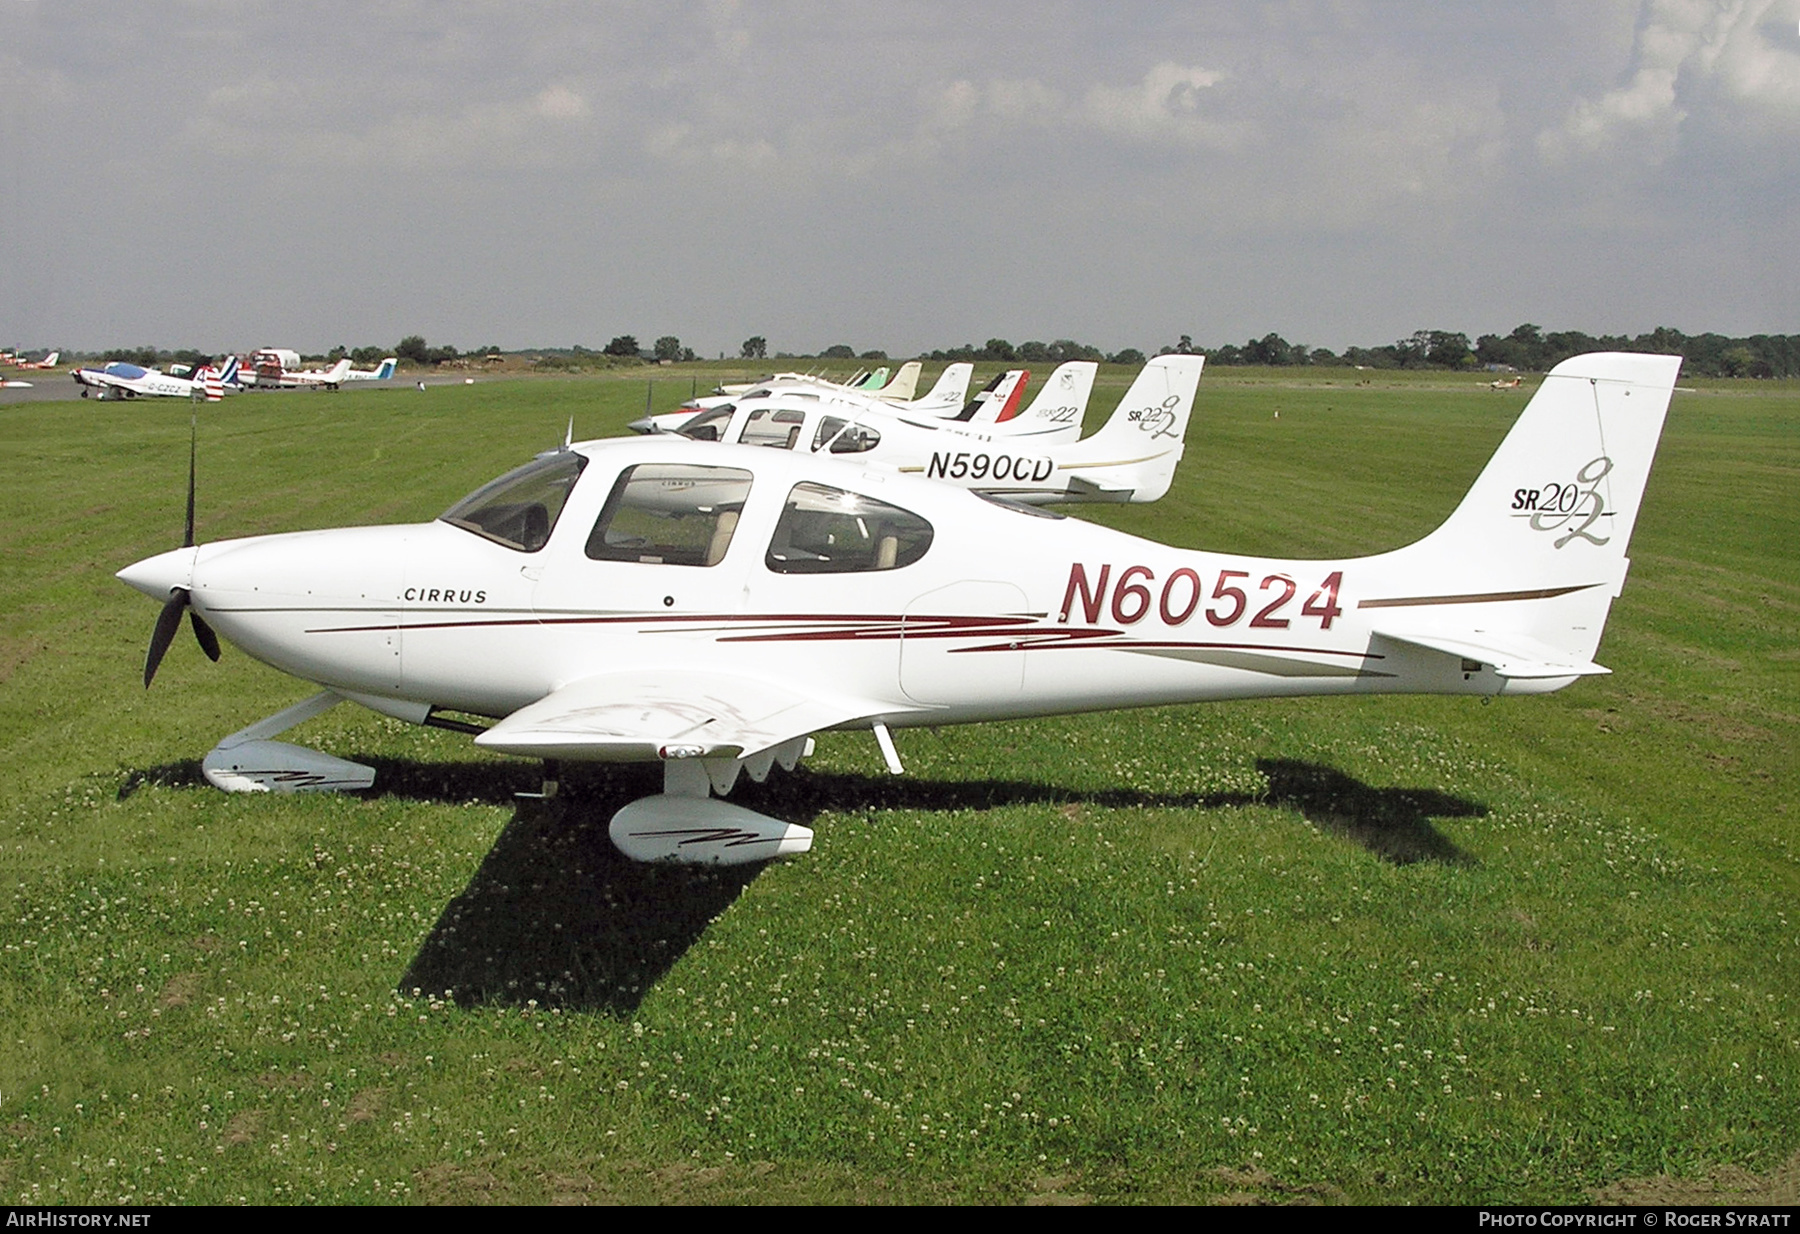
(686, 514)
(520, 509)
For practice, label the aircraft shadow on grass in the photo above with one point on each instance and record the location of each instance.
(556, 914)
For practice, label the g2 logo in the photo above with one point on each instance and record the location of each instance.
(1157, 421)
(1575, 505)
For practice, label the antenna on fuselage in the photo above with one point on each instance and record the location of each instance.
(569, 435)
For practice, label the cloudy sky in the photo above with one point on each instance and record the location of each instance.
(903, 174)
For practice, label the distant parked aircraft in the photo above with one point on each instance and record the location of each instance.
(381, 373)
(124, 380)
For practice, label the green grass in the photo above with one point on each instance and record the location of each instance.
(1403, 950)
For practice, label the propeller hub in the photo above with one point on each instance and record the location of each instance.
(160, 575)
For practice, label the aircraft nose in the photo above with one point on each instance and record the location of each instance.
(157, 576)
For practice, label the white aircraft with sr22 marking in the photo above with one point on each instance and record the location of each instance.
(1053, 416)
(709, 607)
(1132, 457)
(875, 385)
(945, 397)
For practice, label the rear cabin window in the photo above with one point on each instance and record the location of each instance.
(521, 507)
(826, 530)
(670, 514)
(767, 427)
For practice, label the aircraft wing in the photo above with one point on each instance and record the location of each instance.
(644, 716)
(1510, 656)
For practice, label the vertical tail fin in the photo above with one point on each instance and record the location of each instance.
(1064, 397)
(1528, 564)
(951, 388)
(906, 380)
(1003, 405)
(1136, 450)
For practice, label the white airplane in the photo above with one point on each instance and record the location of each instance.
(319, 379)
(875, 384)
(381, 372)
(1054, 415)
(945, 397)
(48, 361)
(123, 380)
(708, 608)
(1131, 458)
(934, 404)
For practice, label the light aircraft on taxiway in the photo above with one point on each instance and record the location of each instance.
(380, 372)
(276, 368)
(124, 380)
(709, 607)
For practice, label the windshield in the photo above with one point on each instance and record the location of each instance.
(708, 425)
(521, 507)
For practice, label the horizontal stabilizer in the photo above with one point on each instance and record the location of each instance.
(641, 716)
(1514, 656)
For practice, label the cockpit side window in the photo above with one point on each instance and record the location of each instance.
(709, 425)
(843, 436)
(826, 530)
(520, 509)
(670, 514)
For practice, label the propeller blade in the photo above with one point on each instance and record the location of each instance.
(164, 634)
(203, 634)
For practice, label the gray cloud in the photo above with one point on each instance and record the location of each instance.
(899, 175)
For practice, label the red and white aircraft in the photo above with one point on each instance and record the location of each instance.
(277, 368)
(709, 607)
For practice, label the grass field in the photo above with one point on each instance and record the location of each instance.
(1399, 950)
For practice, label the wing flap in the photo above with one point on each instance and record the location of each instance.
(644, 716)
(1512, 656)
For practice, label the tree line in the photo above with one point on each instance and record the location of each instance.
(1527, 348)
